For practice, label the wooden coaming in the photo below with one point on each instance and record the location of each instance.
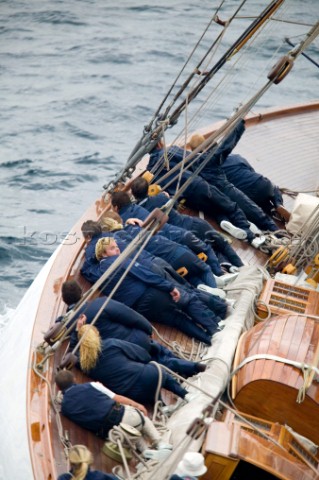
(269, 388)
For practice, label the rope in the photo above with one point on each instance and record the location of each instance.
(305, 244)
(225, 129)
(176, 348)
(209, 413)
(159, 382)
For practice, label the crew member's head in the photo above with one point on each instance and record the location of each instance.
(139, 188)
(106, 247)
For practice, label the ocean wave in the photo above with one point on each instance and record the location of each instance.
(54, 184)
(78, 132)
(114, 58)
(6, 314)
(54, 17)
(29, 247)
(16, 163)
(94, 159)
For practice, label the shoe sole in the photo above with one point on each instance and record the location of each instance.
(234, 231)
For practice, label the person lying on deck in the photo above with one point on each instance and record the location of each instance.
(90, 269)
(92, 232)
(178, 256)
(228, 258)
(203, 196)
(155, 297)
(116, 320)
(256, 186)
(122, 204)
(124, 367)
(213, 173)
(98, 409)
(81, 459)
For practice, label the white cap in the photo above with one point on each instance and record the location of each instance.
(193, 463)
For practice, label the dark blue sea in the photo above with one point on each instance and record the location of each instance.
(79, 80)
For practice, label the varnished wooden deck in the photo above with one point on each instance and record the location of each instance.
(290, 159)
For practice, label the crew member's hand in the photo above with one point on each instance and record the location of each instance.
(141, 408)
(134, 221)
(81, 321)
(175, 294)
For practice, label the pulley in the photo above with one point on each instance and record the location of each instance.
(280, 69)
(278, 256)
(55, 333)
(68, 361)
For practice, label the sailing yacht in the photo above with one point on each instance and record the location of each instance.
(243, 412)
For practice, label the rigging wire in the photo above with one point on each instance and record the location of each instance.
(209, 50)
(237, 45)
(219, 90)
(213, 19)
(274, 77)
(287, 40)
(149, 140)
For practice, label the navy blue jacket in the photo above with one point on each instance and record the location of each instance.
(87, 406)
(137, 281)
(196, 225)
(157, 201)
(175, 233)
(91, 475)
(90, 268)
(213, 172)
(116, 320)
(136, 211)
(239, 171)
(125, 369)
(197, 185)
(161, 246)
